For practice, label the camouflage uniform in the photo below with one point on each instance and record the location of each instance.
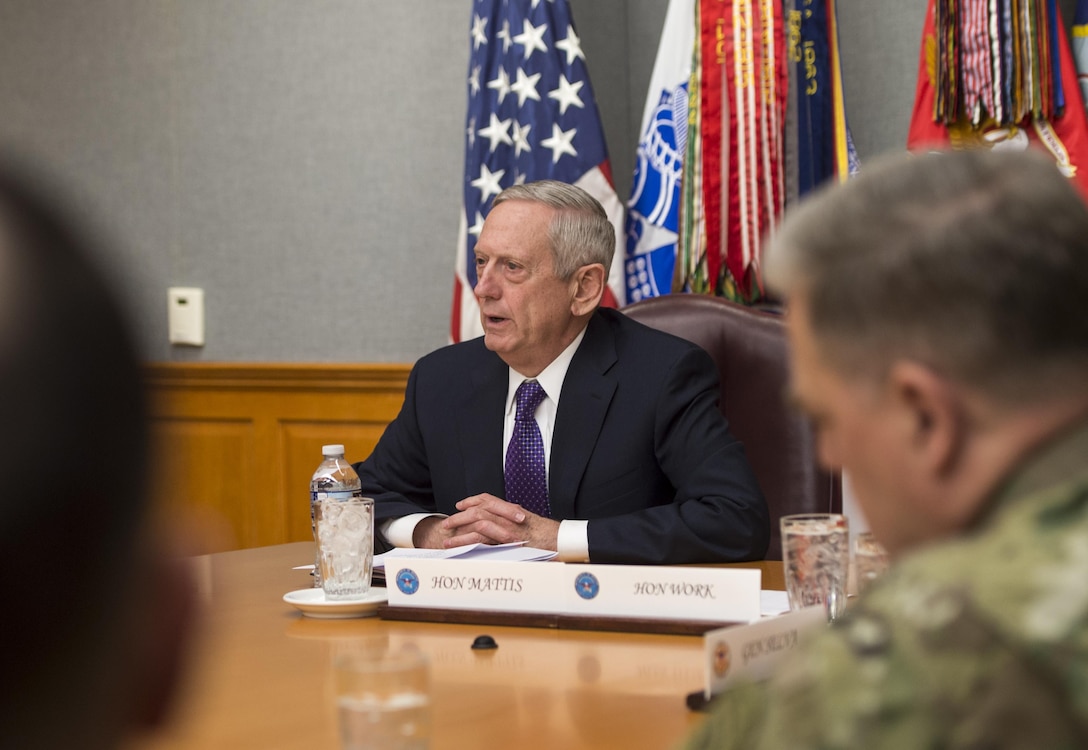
(979, 642)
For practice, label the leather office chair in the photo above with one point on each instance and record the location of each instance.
(749, 347)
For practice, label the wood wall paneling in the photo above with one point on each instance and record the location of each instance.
(237, 443)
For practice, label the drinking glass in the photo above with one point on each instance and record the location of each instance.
(384, 700)
(345, 546)
(870, 560)
(816, 559)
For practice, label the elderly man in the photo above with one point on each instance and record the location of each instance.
(938, 315)
(566, 426)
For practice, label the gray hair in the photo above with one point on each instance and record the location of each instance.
(974, 262)
(580, 232)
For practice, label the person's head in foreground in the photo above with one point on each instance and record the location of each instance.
(542, 265)
(938, 323)
(96, 614)
(938, 319)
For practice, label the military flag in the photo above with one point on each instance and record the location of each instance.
(712, 175)
(653, 216)
(1080, 47)
(531, 115)
(736, 148)
(999, 74)
(824, 149)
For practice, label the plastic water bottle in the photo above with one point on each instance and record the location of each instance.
(334, 479)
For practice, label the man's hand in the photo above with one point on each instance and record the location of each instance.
(487, 519)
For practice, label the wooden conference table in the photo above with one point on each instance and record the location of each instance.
(262, 673)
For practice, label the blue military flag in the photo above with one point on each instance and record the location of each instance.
(653, 219)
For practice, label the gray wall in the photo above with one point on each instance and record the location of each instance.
(301, 159)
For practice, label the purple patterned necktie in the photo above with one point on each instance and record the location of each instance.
(526, 483)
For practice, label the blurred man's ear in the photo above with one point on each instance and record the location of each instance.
(589, 283)
(935, 417)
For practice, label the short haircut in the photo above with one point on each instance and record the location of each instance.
(580, 233)
(973, 262)
(73, 455)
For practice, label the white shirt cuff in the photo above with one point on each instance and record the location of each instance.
(572, 543)
(398, 531)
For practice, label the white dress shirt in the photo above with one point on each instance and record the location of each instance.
(572, 544)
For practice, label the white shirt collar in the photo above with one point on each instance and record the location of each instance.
(551, 377)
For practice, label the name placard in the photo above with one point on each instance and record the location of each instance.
(664, 592)
(638, 591)
(474, 584)
(750, 652)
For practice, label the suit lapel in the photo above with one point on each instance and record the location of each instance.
(479, 426)
(587, 392)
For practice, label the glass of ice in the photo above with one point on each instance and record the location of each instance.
(345, 546)
(384, 700)
(816, 560)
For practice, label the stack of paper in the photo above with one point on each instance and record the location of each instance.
(512, 552)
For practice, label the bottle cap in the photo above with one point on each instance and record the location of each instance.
(332, 450)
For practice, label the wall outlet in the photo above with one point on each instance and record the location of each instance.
(185, 307)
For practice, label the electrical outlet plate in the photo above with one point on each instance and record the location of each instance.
(185, 306)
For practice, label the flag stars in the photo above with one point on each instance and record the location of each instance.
(497, 132)
(501, 84)
(532, 37)
(560, 142)
(474, 80)
(572, 45)
(521, 138)
(525, 87)
(470, 131)
(504, 35)
(567, 94)
(479, 31)
(478, 227)
(488, 182)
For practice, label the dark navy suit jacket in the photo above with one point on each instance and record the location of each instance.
(639, 447)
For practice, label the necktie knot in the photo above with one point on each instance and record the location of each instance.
(528, 396)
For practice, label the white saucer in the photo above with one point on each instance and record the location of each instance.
(312, 603)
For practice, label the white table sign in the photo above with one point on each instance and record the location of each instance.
(750, 652)
(472, 584)
(664, 592)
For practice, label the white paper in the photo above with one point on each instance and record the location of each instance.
(511, 552)
(773, 603)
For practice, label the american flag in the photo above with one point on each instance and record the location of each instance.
(531, 116)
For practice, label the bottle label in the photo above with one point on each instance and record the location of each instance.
(335, 495)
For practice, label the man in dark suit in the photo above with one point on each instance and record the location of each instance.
(633, 461)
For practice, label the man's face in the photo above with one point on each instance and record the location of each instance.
(525, 310)
(860, 428)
